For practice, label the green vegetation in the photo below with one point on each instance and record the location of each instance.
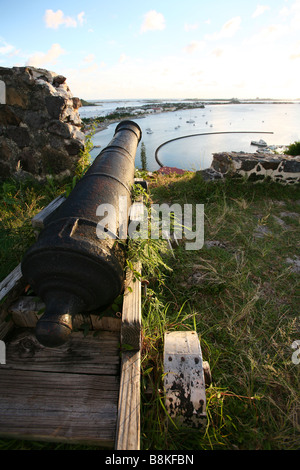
(293, 149)
(20, 201)
(239, 293)
(143, 156)
(86, 103)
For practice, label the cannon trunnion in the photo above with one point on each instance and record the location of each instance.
(69, 267)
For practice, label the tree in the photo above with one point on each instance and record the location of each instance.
(143, 156)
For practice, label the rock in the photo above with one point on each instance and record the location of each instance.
(293, 215)
(210, 174)
(55, 106)
(255, 167)
(76, 103)
(168, 170)
(261, 231)
(8, 117)
(214, 243)
(20, 135)
(60, 128)
(40, 126)
(295, 262)
(58, 80)
(281, 222)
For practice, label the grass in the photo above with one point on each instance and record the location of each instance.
(241, 297)
(239, 294)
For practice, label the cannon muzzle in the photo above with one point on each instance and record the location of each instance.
(70, 267)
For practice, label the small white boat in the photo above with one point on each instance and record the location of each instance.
(190, 121)
(149, 131)
(260, 143)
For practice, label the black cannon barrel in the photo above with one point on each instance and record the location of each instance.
(70, 267)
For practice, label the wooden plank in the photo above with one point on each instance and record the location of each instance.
(75, 408)
(66, 394)
(128, 425)
(131, 313)
(10, 288)
(88, 354)
(39, 219)
(10, 281)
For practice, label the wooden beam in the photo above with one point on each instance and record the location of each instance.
(10, 281)
(86, 354)
(128, 423)
(131, 313)
(65, 394)
(39, 219)
(10, 288)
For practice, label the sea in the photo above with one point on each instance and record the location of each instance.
(277, 124)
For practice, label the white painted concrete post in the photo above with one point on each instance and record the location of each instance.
(184, 378)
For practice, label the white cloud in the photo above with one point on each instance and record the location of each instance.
(295, 51)
(89, 58)
(80, 17)
(8, 49)
(218, 52)
(295, 56)
(55, 19)
(268, 34)
(260, 9)
(228, 29)
(193, 46)
(190, 27)
(122, 58)
(153, 21)
(40, 59)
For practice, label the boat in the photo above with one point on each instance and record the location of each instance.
(149, 131)
(260, 143)
(190, 121)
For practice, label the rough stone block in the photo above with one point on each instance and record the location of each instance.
(39, 124)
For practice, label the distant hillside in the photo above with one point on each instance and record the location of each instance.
(86, 103)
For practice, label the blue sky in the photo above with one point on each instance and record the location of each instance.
(158, 49)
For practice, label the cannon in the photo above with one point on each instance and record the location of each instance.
(70, 267)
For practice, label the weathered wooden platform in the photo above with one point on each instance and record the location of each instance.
(86, 391)
(68, 394)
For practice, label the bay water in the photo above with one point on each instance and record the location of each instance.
(196, 152)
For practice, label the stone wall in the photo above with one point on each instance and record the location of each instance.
(281, 168)
(40, 126)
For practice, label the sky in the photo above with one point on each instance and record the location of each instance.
(147, 49)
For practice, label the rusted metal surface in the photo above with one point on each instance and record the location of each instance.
(69, 267)
(184, 382)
